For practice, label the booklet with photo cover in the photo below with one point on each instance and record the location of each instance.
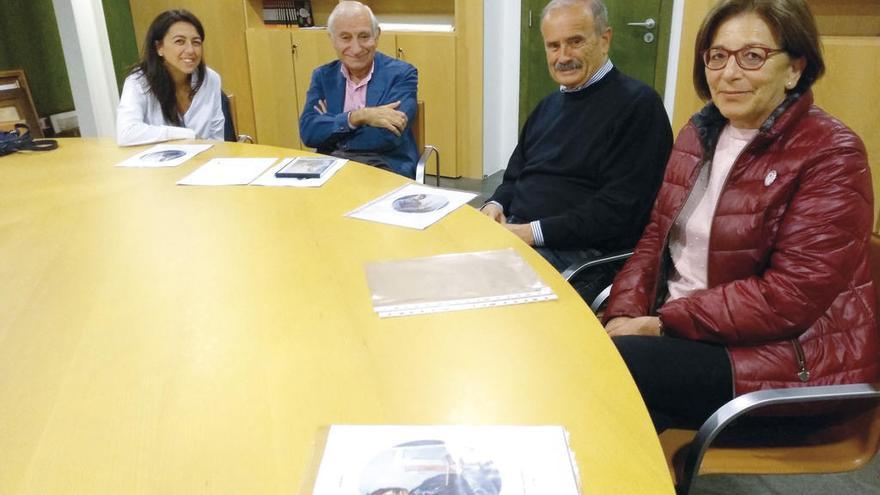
(445, 459)
(306, 167)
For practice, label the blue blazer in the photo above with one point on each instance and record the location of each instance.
(392, 80)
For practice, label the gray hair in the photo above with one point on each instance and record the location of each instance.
(596, 7)
(350, 7)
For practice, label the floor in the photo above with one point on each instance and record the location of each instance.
(865, 481)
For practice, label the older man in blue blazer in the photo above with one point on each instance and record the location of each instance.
(359, 107)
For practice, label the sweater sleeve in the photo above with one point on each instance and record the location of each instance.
(632, 168)
(817, 249)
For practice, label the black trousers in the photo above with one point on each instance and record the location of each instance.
(681, 381)
(589, 283)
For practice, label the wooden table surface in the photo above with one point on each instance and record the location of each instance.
(163, 339)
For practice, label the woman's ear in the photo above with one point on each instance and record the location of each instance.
(795, 69)
(158, 46)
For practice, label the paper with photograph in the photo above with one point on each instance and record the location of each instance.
(309, 164)
(227, 172)
(164, 155)
(414, 206)
(446, 459)
(453, 282)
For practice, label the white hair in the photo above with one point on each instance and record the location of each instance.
(350, 7)
(596, 7)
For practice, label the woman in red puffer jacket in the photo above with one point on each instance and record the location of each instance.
(753, 271)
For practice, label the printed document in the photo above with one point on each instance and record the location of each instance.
(227, 172)
(448, 459)
(414, 206)
(164, 155)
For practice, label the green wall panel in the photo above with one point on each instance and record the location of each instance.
(30, 37)
(29, 40)
(120, 30)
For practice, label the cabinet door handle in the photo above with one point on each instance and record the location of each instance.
(400, 53)
(293, 48)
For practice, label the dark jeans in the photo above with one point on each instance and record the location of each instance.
(681, 381)
(589, 283)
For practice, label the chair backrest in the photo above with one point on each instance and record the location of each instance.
(227, 104)
(16, 103)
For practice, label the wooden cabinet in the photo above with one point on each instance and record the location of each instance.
(434, 57)
(274, 92)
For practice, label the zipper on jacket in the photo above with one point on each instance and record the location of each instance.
(723, 187)
(803, 373)
(661, 266)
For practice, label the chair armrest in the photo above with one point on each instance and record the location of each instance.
(423, 162)
(245, 138)
(577, 267)
(743, 404)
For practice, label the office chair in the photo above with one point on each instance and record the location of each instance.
(16, 103)
(838, 442)
(227, 104)
(418, 129)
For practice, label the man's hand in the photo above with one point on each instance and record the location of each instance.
(523, 231)
(641, 325)
(385, 116)
(321, 107)
(494, 212)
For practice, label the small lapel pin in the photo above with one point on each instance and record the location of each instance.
(769, 178)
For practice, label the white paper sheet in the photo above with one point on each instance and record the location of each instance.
(414, 206)
(453, 282)
(490, 460)
(227, 172)
(164, 155)
(269, 179)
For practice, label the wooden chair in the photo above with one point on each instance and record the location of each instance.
(227, 103)
(418, 129)
(826, 444)
(16, 104)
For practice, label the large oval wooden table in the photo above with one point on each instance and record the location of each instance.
(163, 339)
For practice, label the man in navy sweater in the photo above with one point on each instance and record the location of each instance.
(590, 158)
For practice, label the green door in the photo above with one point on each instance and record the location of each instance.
(637, 50)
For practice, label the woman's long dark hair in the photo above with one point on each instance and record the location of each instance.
(153, 66)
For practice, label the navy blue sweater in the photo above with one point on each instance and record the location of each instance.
(588, 164)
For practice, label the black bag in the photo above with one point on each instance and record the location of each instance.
(20, 139)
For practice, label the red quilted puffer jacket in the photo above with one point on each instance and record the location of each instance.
(790, 292)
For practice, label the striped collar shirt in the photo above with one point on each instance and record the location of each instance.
(596, 77)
